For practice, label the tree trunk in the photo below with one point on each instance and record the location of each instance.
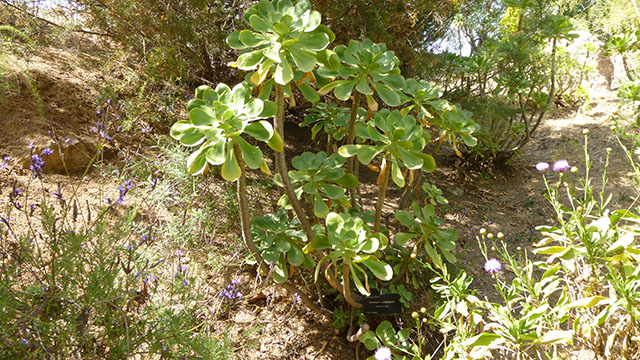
(382, 193)
(351, 137)
(281, 165)
(245, 218)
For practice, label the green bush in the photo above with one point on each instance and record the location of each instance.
(93, 281)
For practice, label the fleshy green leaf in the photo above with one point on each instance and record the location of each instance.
(381, 270)
(252, 155)
(230, 169)
(309, 93)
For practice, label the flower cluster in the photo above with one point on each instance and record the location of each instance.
(558, 166)
(101, 129)
(4, 164)
(231, 292)
(123, 189)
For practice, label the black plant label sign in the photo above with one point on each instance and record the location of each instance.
(386, 304)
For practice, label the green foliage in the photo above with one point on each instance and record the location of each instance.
(385, 335)
(369, 68)
(399, 24)
(320, 179)
(425, 229)
(217, 119)
(400, 140)
(331, 119)
(283, 35)
(81, 281)
(178, 40)
(280, 243)
(585, 287)
(352, 245)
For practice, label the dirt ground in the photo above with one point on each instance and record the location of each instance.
(511, 202)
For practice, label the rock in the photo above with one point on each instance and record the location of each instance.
(69, 155)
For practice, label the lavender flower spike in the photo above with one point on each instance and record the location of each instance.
(561, 166)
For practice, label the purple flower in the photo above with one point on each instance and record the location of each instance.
(560, 166)
(31, 146)
(542, 166)
(383, 353)
(492, 266)
(47, 151)
(231, 292)
(36, 165)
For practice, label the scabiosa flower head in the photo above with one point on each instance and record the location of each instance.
(383, 353)
(492, 266)
(561, 166)
(542, 166)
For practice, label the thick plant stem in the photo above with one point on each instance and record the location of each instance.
(281, 165)
(382, 192)
(351, 138)
(346, 289)
(243, 205)
(550, 99)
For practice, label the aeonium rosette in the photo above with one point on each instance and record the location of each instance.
(218, 118)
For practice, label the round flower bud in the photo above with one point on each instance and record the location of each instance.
(579, 209)
(609, 150)
(519, 248)
(630, 174)
(490, 236)
(574, 169)
(585, 131)
(592, 279)
(483, 231)
(415, 315)
(423, 310)
(612, 128)
(615, 263)
(500, 235)
(413, 255)
(493, 248)
(424, 320)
